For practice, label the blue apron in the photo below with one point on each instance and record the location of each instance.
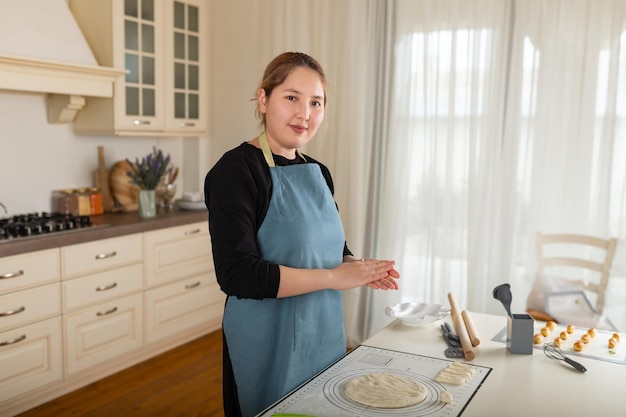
(276, 344)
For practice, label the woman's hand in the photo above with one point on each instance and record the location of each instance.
(375, 273)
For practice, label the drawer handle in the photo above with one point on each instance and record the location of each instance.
(11, 312)
(138, 122)
(12, 274)
(186, 124)
(12, 341)
(106, 255)
(106, 287)
(194, 285)
(105, 312)
(191, 232)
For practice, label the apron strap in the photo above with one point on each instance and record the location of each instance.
(267, 152)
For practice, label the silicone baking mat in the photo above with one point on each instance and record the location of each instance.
(323, 395)
(597, 348)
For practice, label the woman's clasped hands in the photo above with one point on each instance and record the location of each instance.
(375, 273)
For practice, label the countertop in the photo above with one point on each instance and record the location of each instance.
(105, 226)
(517, 384)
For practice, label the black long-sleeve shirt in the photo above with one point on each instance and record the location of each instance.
(237, 192)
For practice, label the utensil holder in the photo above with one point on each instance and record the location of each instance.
(519, 334)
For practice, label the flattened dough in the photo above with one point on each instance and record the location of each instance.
(385, 390)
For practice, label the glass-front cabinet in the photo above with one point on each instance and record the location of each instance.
(162, 45)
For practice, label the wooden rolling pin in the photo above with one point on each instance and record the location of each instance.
(471, 328)
(460, 329)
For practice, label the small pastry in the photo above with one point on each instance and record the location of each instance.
(537, 339)
(585, 338)
(578, 346)
(616, 337)
(545, 331)
(591, 332)
(570, 329)
(551, 325)
(612, 343)
(563, 335)
(558, 342)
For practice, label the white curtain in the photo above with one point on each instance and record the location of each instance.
(458, 128)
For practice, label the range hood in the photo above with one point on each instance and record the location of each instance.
(42, 50)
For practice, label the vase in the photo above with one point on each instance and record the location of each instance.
(147, 204)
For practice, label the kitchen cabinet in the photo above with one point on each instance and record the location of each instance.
(104, 278)
(181, 290)
(97, 307)
(163, 46)
(30, 322)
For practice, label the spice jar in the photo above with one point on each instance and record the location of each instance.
(67, 202)
(84, 204)
(95, 198)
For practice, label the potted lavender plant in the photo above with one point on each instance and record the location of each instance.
(146, 174)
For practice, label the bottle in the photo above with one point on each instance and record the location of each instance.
(96, 200)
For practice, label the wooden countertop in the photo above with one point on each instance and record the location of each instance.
(107, 226)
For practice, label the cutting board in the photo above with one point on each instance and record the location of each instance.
(125, 193)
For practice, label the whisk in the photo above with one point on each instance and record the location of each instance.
(552, 351)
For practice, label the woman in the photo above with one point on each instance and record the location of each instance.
(279, 246)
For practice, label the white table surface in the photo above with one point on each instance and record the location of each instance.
(519, 385)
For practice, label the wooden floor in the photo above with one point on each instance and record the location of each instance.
(186, 381)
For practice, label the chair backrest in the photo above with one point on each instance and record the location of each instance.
(582, 253)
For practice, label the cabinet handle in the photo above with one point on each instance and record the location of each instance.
(137, 122)
(11, 341)
(105, 312)
(191, 232)
(106, 255)
(11, 312)
(186, 124)
(12, 274)
(190, 286)
(106, 287)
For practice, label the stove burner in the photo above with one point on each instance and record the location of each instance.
(35, 224)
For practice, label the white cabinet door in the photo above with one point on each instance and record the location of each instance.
(97, 288)
(103, 332)
(27, 306)
(176, 253)
(29, 270)
(30, 357)
(181, 306)
(101, 255)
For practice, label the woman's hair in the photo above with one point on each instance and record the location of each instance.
(279, 69)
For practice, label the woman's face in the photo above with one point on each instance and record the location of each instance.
(293, 112)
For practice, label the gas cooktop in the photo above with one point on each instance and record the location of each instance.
(31, 225)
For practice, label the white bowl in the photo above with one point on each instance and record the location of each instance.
(417, 314)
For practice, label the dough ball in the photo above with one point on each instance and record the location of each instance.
(616, 337)
(537, 339)
(571, 329)
(578, 346)
(545, 331)
(551, 325)
(612, 342)
(385, 390)
(563, 335)
(445, 397)
(558, 342)
(591, 332)
(585, 338)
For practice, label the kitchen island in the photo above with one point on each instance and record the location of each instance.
(505, 384)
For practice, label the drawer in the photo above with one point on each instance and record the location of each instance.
(30, 357)
(176, 253)
(101, 255)
(29, 270)
(177, 307)
(22, 307)
(102, 333)
(104, 286)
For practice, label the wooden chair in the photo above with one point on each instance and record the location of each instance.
(588, 258)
